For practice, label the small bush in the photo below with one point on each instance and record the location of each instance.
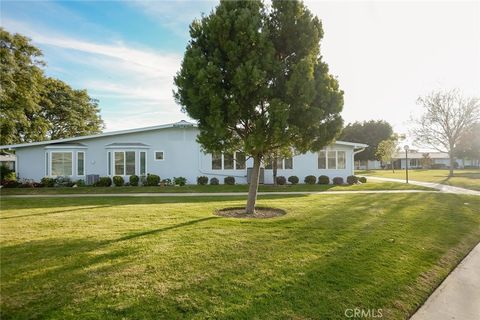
(214, 181)
(48, 182)
(152, 180)
(103, 182)
(202, 180)
(362, 179)
(310, 179)
(229, 180)
(281, 180)
(27, 184)
(323, 179)
(293, 179)
(352, 179)
(133, 180)
(118, 181)
(63, 182)
(80, 183)
(180, 181)
(4, 172)
(166, 182)
(338, 181)
(10, 183)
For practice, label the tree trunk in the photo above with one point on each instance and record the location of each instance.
(274, 170)
(253, 188)
(452, 161)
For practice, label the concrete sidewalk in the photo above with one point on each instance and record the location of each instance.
(205, 194)
(438, 186)
(458, 297)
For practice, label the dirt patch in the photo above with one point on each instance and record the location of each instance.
(260, 213)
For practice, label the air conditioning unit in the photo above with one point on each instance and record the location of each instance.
(91, 179)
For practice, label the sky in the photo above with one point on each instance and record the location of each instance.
(125, 53)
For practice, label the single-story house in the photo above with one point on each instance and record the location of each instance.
(169, 151)
(437, 160)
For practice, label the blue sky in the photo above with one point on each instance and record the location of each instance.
(385, 54)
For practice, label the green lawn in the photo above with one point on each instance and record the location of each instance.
(170, 258)
(468, 178)
(370, 185)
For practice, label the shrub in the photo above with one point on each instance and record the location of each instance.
(293, 179)
(214, 181)
(152, 180)
(133, 180)
(80, 183)
(338, 180)
(180, 181)
(103, 182)
(10, 183)
(48, 182)
(229, 180)
(63, 182)
(166, 182)
(362, 179)
(202, 180)
(352, 179)
(310, 179)
(4, 172)
(118, 181)
(27, 184)
(281, 180)
(323, 179)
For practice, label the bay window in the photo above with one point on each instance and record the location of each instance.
(61, 163)
(124, 163)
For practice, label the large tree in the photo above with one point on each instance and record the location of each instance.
(447, 115)
(34, 107)
(255, 81)
(387, 149)
(468, 146)
(370, 132)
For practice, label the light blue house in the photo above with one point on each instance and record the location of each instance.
(168, 150)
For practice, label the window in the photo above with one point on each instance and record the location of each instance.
(80, 163)
(124, 163)
(130, 163)
(159, 155)
(109, 163)
(46, 164)
(322, 164)
(286, 163)
(341, 160)
(143, 163)
(217, 161)
(240, 160)
(332, 159)
(61, 163)
(119, 163)
(228, 161)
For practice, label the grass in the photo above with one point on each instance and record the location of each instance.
(464, 178)
(370, 185)
(170, 258)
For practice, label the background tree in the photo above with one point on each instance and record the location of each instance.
(447, 116)
(68, 112)
(370, 132)
(255, 81)
(34, 107)
(426, 161)
(387, 149)
(468, 146)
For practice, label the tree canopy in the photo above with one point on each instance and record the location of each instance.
(371, 132)
(34, 107)
(254, 79)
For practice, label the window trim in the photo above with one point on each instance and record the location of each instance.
(51, 159)
(155, 155)
(140, 162)
(84, 164)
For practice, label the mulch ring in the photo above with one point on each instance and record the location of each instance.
(260, 213)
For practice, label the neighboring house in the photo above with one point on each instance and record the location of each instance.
(169, 151)
(7, 160)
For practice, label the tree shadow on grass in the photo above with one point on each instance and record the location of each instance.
(54, 212)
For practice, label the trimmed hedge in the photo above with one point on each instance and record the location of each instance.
(202, 180)
(323, 179)
(103, 182)
(118, 181)
(229, 180)
(310, 179)
(152, 180)
(48, 182)
(180, 181)
(362, 179)
(352, 179)
(214, 181)
(281, 180)
(337, 180)
(293, 179)
(133, 180)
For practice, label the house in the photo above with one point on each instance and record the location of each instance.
(7, 160)
(169, 150)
